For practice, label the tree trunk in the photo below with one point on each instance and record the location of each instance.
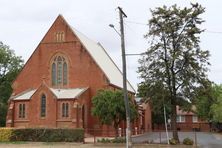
(116, 129)
(174, 121)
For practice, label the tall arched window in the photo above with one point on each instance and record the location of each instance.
(59, 71)
(43, 105)
(53, 74)
(65, 109)
(65, 73)
(22, 110)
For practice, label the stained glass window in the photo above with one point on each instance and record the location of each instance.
(43, 105)
(59, 71)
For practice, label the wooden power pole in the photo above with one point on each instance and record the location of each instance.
(125, 92)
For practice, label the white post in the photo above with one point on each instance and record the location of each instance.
(120, 132)
(166, 124)
(136, 132)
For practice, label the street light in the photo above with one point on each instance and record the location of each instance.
(112, 26)
(125, 91)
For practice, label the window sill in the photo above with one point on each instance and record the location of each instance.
(21, 120)
(64, 120)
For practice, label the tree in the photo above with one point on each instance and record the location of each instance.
(109, 107)
(216, 109)
(209, 101)
(174, 65)
(157, 103)
(10, 65)
(204, 98)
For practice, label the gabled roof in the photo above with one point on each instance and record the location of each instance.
(103, 60)
(68, 93)
(26, 95)
(101, 57)
(59, 93)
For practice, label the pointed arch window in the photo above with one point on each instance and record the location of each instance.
(21, 110)
(65, 109)
(53, 74)
(64, 73)
(59, 71)
(43, 105)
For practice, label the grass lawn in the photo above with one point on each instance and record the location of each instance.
(13, 142)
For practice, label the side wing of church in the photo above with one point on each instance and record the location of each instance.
(55, 87)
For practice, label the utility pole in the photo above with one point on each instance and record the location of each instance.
(125, 92)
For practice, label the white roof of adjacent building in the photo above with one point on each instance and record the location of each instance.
(103, 60)
(25, 95)
(59, 93)
(68, 93)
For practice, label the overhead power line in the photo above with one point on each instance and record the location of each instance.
(216, 32)
(139, 23)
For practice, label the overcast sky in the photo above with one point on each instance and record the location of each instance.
(23, 23)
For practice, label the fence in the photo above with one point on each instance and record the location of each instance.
(138, 136)
(200, 126)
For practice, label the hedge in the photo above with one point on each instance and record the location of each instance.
(41, 134)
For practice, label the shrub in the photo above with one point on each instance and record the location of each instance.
(173, 141)
(42, 135)
(188, 141)
(104, 140)
(116, 140)
(5, 134)
(119, 140)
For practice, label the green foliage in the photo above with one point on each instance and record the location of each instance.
(5, 134)
(204, 98)
(41, 135)
(10, 65)
(174, 65)
(188, 141)
(215, 108)
(173, 141)
(109, 107)
(119, 140)
(104, 140)
(208, 102)
(157, 101)
(116, 140)
(3, 112)
(158, 116)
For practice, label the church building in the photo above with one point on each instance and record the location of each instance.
(55, 87)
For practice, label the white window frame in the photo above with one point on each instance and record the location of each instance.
(194, 119)
(181, 118)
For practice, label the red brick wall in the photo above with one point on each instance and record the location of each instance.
(148, 118)
(35, 108)
(188, 125)
(82, 69)
(82, 72)
(21, 122)
(71, 120)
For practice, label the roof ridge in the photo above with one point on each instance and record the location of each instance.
(22, 93)
(81, 37)
(69, 88)
(70, 92)
(114, 63)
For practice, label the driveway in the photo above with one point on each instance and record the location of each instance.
(204, 139)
